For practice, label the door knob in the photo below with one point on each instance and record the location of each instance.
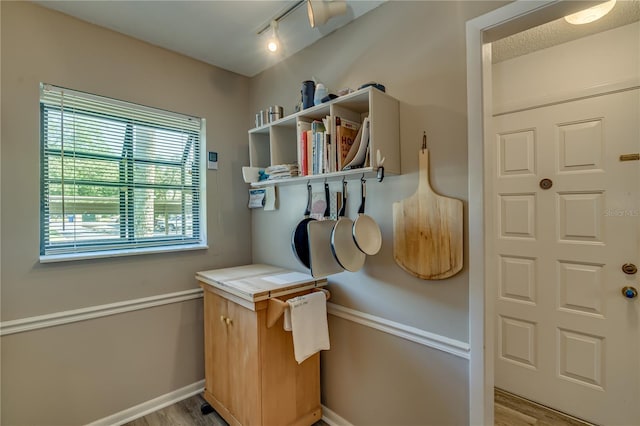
(546, 183)
(629, 292)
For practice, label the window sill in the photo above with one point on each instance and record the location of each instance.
(52, 258)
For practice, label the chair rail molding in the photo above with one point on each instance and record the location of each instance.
(404, 331)
(92, 312)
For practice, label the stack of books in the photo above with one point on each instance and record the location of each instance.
(281, 171)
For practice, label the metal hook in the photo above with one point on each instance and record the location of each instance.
(424, 141)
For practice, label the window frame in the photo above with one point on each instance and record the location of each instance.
(128, 243)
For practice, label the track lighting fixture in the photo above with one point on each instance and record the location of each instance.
(273, 44)
(320, 11)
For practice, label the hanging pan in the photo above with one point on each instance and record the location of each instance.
(321, 258)
(366, 232)
(343, 246)
(300, 236)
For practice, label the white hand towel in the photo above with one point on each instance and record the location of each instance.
(309, 324)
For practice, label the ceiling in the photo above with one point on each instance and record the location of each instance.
(221, 33)
(560, 31)
(224, 33)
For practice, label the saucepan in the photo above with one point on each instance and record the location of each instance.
(366, 232)
(321, 259)
(300, 236)
(343, 246)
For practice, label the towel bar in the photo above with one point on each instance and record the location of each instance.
(276, 307)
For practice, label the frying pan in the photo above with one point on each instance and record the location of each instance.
(300, 236)
(343, 246)
(321, 258)
(366, 232)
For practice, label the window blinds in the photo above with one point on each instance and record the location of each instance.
(117, 176)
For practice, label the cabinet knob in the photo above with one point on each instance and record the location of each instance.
(228, 321)
(222, 318)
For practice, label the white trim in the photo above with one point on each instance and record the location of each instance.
(66, 317)
(65, 257)
(416, 335)
(150, 406)
(328, 416)
(566, 96)
(331, 418)
(505, 19)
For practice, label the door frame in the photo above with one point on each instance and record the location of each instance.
(480, 32)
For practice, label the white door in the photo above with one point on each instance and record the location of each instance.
(566, 336)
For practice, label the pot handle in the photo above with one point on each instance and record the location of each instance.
(327, 209)
(307, 212)
(363, 187)
(344, 198)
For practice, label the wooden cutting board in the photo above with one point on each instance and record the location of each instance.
(428, 230)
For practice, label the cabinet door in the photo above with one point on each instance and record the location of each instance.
(215, 341)
(243, 365)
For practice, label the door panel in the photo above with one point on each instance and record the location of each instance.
(215, 340)
(243, 365)
(565, 335)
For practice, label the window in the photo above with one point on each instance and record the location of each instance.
(117, 178)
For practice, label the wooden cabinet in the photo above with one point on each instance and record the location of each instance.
(277, 142)
(251, 375)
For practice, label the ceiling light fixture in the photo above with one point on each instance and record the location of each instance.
(273, 44)
(320, 11)
(591, 14)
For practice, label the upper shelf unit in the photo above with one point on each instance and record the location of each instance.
(278, 142)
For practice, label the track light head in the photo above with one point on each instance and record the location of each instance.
(320, 11)
(273, 44)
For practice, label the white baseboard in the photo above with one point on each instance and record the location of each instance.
(328, 416)
(332, 418)
(150, 406)
(404, 331)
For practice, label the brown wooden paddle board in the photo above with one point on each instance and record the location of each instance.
(428, 230)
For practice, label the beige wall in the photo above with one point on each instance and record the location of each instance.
(417, 50)
(77, 373)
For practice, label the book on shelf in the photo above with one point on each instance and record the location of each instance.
(357, 156)
(318, 131)
(329, 164)
(346, 132)
(303, 127)
(309, 153)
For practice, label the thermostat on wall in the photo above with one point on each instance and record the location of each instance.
(212, 160)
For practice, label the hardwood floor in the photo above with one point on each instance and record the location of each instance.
(185, 413)
(511, 410)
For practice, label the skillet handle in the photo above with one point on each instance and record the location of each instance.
(327, 209)
(344, 198)
(363, 187)
(307, 212)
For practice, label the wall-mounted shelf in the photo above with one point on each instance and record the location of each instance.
(277, 142)
(368, 172)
